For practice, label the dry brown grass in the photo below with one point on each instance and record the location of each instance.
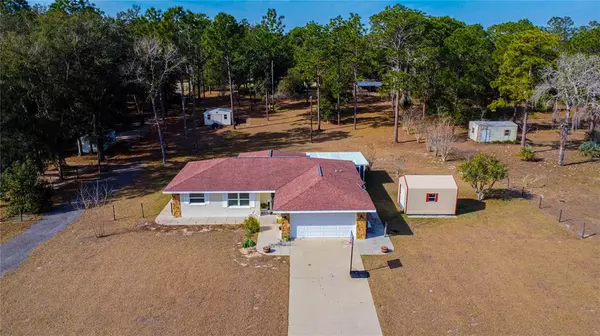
(11, 227)
(506, 270)
(142, 282)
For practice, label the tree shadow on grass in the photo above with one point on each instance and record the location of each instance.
(385, 204)
(468, 205)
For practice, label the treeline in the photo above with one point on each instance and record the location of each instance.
(68, 70)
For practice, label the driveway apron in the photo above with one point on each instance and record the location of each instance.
(324, 300)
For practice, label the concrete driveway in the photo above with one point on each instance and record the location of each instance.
(324, 300)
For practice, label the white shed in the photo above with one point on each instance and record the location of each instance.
(430, 195)
(219, 116)
(488, 131)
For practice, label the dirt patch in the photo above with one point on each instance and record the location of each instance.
(489, 272)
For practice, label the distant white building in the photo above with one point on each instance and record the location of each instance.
(488, 131)
(219, 116)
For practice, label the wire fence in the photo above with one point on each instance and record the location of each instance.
(562, 212)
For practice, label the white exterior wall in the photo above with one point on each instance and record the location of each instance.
(496, 132)
(217, 207)
(217, 117)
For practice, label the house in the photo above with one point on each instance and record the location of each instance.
(314, 197)
(430, 195)
(218, 116)
(488, 131)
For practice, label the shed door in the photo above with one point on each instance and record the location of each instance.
(485, 135)
(323, 225)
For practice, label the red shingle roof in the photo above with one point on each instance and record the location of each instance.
(272, 153)
(296, 181)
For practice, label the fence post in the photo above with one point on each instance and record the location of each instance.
(142, 204)
(583, 231)
(523, 192)
(540, 204)
(508, 182)
(560, 216)
(114, 216)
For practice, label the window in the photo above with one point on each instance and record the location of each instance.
(432, 198)
(238, 199)
(472, 129)
(208, 116)
(225, 116)
(506, 132)
(197, 199)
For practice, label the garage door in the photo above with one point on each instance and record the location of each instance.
(323, 225)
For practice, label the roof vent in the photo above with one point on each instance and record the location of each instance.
(320, 170)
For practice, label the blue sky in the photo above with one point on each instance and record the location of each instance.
(298, 13)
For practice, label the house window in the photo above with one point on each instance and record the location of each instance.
(208, 116)
(432, 197)
(225, 116)
(197, 199)
(238, 199)
(506, 132)
(472, 129)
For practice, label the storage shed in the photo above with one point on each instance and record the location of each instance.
(219, 116)
(488, 131)
(431, 195)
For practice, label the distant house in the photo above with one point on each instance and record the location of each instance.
(430, 195)
(488, 131)
(86, 144)
(218, 116)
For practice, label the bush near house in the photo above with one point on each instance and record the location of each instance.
(481, 171)
(248, 243)
(251, 226)
(527, 153)
(23, 191)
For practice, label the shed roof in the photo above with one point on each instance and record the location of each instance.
(430, 182)
(490, 123)
(218, 110)
(356, 157)
(369, 83)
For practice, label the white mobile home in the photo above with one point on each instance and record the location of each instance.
(219, 116)
(488, 131)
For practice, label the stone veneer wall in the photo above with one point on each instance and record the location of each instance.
(361, 225)
(175, 205)
(285, 225)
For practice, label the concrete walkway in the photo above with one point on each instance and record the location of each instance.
(16, 250)
(324, 300)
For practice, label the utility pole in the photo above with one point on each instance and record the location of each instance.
(272, 87)
(311, 119)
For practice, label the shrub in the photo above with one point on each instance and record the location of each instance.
(593, 135)
(251, 226)
(481, 171)
(590, 149)
(23, 190)
(248, 243)
(285, 238)
(526, 153)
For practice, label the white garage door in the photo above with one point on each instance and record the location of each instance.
(323, 225)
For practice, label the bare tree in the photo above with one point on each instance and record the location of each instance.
(94, 195)
(152, 64)
(420, 128)
(571, 82)
(441, 138)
